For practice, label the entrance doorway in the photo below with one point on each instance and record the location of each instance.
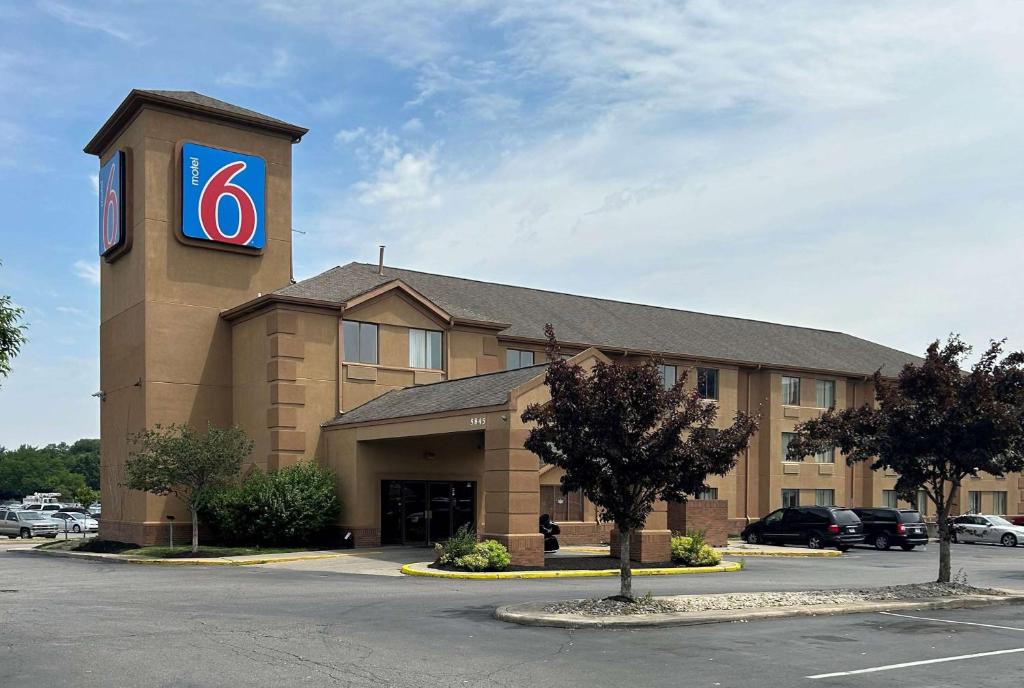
(422, 512)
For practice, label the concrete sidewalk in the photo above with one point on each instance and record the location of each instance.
(376, 562)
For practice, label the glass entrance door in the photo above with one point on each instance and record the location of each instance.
(420, 512)
(440, 511)
(414, 498)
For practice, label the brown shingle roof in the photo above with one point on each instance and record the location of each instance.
(491, 389)
(618, 325)
(190, 101)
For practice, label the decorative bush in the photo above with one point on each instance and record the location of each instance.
(458, 545)
(291, 506)
(489, 555)
(692, 550)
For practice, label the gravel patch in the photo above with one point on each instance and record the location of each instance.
(761, 600)
(611, 606)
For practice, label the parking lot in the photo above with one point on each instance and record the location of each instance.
(267, 625)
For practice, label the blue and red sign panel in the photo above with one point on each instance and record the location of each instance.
(112, 217)
(223, 196)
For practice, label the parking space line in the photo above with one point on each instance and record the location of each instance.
(951, 621)
(904, 665)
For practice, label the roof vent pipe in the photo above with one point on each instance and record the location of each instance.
(380, 263)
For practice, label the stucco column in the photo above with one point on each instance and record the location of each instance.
(653, 542)
(512, 493)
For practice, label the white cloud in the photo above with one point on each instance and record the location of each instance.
(91, 19)
(280, 66)
(88, 271)
(833, 165)
(346, 136)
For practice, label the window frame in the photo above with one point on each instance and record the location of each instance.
(663, 369)
(360, 324)
(818, 492)
(895, 499)
(426, 348)
(829, 454)
(795, 491)
(784, 446)
(702, 381)
(974, 501)
(1004, 497)
(707, 495)
(819, 385)
(519, 355)
(787, 401)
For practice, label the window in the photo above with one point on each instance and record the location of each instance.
(974, 501)
(707, 383)
(790, 497)
(710, 493)
(827, 456)
(360, 342)
(825, 393)
(514, 358)
(788, 437)
(561, 507)
(668, 376)
(825, 497)
(922, 502)
(790, 391)
(999, 503)
(889, 498)
(425, 349)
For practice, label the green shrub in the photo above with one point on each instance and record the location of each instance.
(692, 550)
(291, 506)
(458, 545)
(489, 555)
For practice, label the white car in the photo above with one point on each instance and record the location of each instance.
(75, 522)
(973, 528)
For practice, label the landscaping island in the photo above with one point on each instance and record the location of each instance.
(685, 610)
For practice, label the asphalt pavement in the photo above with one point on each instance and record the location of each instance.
(85, 623)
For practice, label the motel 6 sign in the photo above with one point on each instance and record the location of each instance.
(112, 215)
(223, 196)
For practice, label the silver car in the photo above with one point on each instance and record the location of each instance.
(27, 524)
(993, 530)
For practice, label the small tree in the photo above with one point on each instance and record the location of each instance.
(12, 333)
(934, 425)
(626, 441)
(176, 460)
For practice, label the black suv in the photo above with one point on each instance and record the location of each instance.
(885, 527)
(814, 526)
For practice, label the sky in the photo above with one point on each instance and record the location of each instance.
(846, 166)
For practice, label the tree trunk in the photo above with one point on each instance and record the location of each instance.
(195, 530)
(944, 562)
(625, 566)
(943, 505)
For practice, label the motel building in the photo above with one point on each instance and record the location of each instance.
(408, 385)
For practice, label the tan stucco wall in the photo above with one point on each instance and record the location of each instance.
(166, 354)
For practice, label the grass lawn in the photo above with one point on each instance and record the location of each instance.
(206, 551)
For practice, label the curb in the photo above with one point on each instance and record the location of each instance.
(422, 569)
(807, 554)
(149, 561)
(523, 615)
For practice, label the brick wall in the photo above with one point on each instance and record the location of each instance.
(583, 533)
(708, 515)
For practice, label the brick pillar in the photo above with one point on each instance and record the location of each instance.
(287, 395)
(512, 493)
(650, 544)
(708, 515)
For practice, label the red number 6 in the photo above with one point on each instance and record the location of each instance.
(218, 186)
